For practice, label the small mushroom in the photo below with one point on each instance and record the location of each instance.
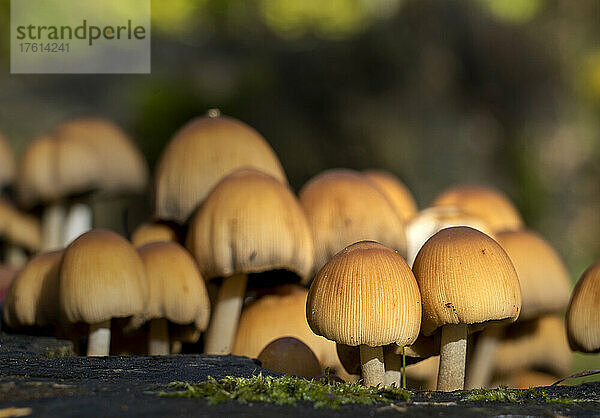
(366, 296)
(101, 277)
(467, 281)
(397, 193)
(291, 356)
(583, 313)
(154, 232)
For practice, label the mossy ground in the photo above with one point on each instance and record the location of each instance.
(504, 394)
(285, 390)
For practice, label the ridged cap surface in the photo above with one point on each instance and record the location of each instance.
(487, 203)
(32, 298)
(366, 294)
(397, 193)
(153, 232)
(101, 277)
(583, 313)
(199, 155)
(465, 277)
(343, 207)
(544, 279)
(250, 223)
(176, 289)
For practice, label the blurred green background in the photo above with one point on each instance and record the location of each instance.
(502, 92)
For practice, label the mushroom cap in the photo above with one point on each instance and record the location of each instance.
(544, 279)
(19, 228)
(101, 277)
(583, 313)
(8, 165)
(343, 207)
(32, 298)
(526, 379)
(176, 289)
(281, 315)
(199, 155)
(289, 355)
(487, 203)
(397, 193)
(250, 223)
(540, 344)
(366, 294)
(153, 232)
(465, 277)
(123, 167)
(431, 220)
(7, 275)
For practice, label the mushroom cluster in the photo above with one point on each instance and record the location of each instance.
(348, 277)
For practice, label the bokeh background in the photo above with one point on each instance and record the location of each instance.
(501, 92)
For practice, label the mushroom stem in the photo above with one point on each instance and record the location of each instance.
(393, 368)
(481, 362)
(15, 256)
(53, 219)
(78, 221)
(158, 340)
(453, 354)
(372, 365)
(226, 315)
(99, 339)
(176, 347)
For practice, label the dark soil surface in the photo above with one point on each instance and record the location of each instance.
(40, 377)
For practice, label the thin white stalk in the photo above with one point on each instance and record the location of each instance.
(372, 365)
(158, 340)
(481, 362)
(99, 339)
(53, 220)
(78, 221)
(453, 354)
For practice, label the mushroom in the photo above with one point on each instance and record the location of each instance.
(366, 296)
(545, 290)
(7, 165)
(343, 207)
(21, 233)
(7, 275)
(466, 281)
(583, 313)
(281, 314)
(289, 355)
(199, 155)
(492, 206)
(249, 223)
(397, 193)
(32, 298)
(176, 293)
(101, 277)
(526, 379)
(154, 232)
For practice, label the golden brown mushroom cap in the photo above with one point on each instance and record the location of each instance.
(153, 232)
(7, 163)
(19, 228)
(366, 294)
(32, 298)
(465, 277)
(250, 223)
(101, 277)
(343, 207)
(544, 279)
(199, 155)
(397, 193)
(176, 289)
(291, 356)
(492, 206)
(583, 313)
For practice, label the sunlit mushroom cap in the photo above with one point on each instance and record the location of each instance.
(280, 315)
(153, 232)
(465, 277)
(7, 163)
(397, 193)
(492, 206)
(583, 313)
(343, 207)
(545, 283)
(32, 298)
(539, 344)
(199, 155)
(101, 277)
(250, 223)
(291, 356)
(431, 220)
(366, 294)
(176, 289)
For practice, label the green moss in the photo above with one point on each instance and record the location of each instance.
(504, 394)
(59, 352)
(284, 390)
